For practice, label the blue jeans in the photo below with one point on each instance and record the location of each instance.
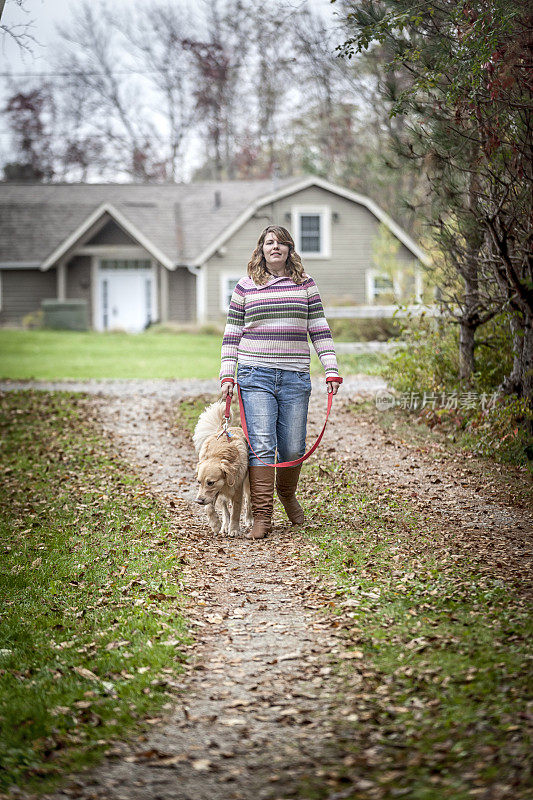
(275, 405)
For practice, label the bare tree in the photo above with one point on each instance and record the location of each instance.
(20, 33)
(31, 116)
(219, 58)
(271, 73)
(131, 76)
(113, 107)
(323, 74)
(157, 36)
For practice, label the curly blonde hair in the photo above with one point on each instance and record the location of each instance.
(257, 268)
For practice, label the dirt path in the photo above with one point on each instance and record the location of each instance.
(260, 711)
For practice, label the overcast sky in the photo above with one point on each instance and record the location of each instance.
(44, 16)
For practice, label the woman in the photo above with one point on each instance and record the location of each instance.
(271, 313)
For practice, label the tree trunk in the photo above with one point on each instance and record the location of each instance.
(466, 350)
(520, 380)
(526, 364)
(470, 273)
(469, 317)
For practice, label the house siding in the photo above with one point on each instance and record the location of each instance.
(341, 278)
(22, 291)
(181, 296)
(79, 282)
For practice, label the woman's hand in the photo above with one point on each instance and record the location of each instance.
(333, 386)
(225, 389)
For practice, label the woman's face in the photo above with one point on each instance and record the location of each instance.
(275, 253)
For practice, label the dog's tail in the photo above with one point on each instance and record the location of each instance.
(209, 422)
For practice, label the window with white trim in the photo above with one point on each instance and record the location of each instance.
(310, 233)
(380, 287)
(125, 263)
(227, 285)
(312, 226)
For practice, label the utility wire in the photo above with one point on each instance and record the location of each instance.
(77, 73)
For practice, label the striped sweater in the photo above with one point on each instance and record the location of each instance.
(268, 326)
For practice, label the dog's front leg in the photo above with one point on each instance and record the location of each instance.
(247, 502)
(225, 526)
(213, 519)
(236, 506)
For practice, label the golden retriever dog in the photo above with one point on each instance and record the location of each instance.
(222, 471)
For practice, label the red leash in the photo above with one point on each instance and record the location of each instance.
(283, 463)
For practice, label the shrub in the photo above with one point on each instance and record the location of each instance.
(33, 321)
(502, 431)
(493, 353)
(212, 329)
(363, 330)
(208, 329)
(430, 359)
(498, 428)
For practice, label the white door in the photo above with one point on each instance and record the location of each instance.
(126, 294)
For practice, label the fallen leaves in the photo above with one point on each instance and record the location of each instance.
(348, 654)
(249, 612)
(86, 673)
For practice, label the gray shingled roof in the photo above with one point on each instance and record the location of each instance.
(180, 219)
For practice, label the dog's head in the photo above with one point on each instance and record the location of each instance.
(213, 477)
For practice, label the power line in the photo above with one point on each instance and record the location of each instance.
(77, 73)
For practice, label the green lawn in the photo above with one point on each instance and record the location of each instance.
(60, 355)
(49, 355)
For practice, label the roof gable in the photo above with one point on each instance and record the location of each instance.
(305, 183)
(111, 234)
(99, 216)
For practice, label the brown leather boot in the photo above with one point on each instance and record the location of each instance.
(262, 492)
(286, 483)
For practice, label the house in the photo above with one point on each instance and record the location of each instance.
(140, 253)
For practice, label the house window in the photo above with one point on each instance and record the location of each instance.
(380, 288)
(312, 231)
(227, 285)
(382, 285)
(124, 263)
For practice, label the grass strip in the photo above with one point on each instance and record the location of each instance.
(56, 355)
(75, 355)
(90, 625)
(440, 695)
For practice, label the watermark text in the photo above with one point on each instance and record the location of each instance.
(449, 401)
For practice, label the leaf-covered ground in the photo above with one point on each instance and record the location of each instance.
(381, 652)
(89, 591)
(445, 703)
